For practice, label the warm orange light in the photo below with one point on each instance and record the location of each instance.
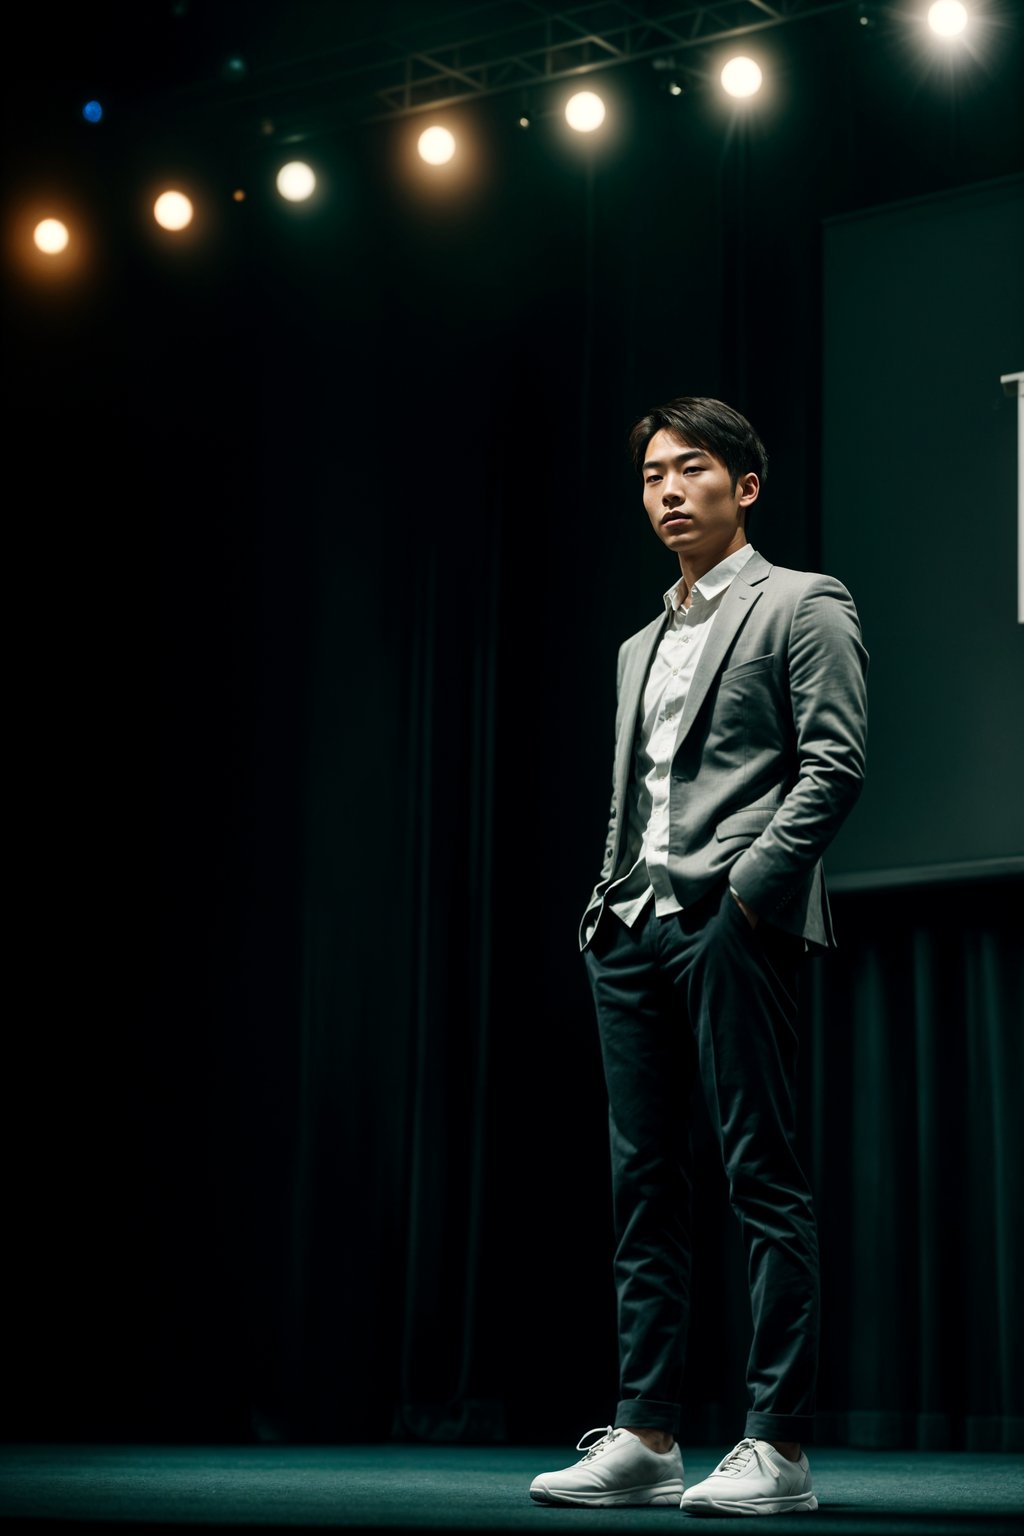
(436, 145)
(173, 211)
(51, 236)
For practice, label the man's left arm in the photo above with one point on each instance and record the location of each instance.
(828, 698)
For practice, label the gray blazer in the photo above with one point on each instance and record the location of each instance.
(769, 753)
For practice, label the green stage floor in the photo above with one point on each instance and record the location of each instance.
(440, 1488)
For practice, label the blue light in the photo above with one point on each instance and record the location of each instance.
(92, 111)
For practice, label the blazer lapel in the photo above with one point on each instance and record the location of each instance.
(743, 592)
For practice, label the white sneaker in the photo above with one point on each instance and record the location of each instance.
(754, 1479)
(617, 1469)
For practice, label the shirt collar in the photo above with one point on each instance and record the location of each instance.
(714, 582)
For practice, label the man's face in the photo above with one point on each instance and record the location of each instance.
(692, 505)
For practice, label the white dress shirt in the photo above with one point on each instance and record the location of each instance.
(668, 682)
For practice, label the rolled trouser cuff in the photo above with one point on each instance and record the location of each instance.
(780, 1426)
(647, 1413)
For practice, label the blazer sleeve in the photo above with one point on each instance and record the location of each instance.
(828, 698)
(608, 862)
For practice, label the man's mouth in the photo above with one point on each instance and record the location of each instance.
(675, 517)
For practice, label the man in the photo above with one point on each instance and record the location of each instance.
(740, 739)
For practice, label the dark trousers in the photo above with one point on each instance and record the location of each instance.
(702, 994)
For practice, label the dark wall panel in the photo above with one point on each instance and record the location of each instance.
(923, 312)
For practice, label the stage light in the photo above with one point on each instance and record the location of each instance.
(51, 236)
(92, 112)
(296, 181)
(524, 121)
(947, 18)
(741, 77)
(436, 145)
(172, 210)
(584, 111)
(239, 195)
(669, 71)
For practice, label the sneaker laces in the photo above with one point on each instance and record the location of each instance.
(606, 1436)
(738, 1460)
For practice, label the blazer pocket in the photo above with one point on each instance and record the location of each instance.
(745, 823)
(745, 668)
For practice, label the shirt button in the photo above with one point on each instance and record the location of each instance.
(675, 671)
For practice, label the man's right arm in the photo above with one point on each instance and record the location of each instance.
(608, 863)
(609, 847)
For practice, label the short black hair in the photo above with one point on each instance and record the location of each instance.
(708, 424)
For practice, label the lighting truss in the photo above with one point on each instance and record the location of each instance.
(515, 45)
(574, 40)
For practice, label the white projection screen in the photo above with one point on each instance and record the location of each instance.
(923, 315)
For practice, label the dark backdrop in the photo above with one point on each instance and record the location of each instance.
(926, 294)
(322, 543)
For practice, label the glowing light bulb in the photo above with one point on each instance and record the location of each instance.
(436, 145)
(51, 236)
(741, 77)
(584, 111)
(173, 211)
(947, 18)
(296, 181)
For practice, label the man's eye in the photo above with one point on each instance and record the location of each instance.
(693, 469)
(651, 479)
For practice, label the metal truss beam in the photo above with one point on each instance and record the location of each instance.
(570, 41)
(527, 45)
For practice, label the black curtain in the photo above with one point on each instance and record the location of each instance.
(913, 1071)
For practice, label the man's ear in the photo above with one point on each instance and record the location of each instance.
(749, 488)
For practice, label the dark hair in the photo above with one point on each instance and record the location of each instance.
(707, 424)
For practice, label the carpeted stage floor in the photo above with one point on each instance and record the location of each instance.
(447, 1488)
